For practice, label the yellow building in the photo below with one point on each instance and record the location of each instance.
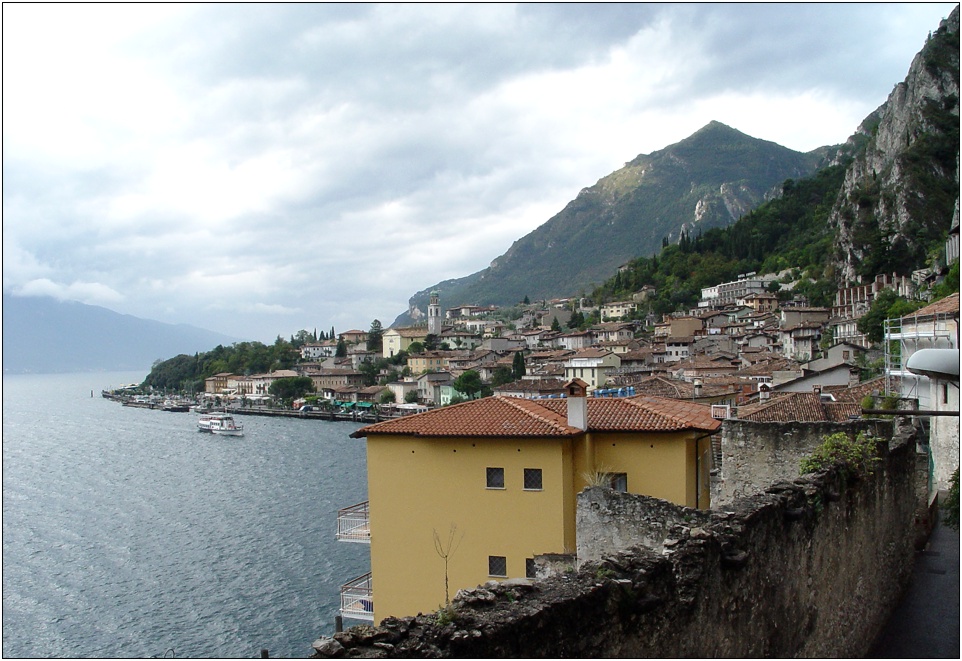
(395, 340)
(430, 361)
(491, 483)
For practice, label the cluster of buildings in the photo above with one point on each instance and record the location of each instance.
(485, 489)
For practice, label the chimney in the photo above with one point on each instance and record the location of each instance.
(577, 395)
(697, 387)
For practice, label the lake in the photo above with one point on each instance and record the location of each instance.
(128, 533)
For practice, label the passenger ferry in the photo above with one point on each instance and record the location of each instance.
(219, 423)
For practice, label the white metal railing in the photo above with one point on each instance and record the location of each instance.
(357, 600)
(721, 411)
(354, 524)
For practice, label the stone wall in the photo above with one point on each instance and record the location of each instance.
(808, 568)
(756, 454)
(609, 521)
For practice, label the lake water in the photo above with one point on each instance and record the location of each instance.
(127, 533)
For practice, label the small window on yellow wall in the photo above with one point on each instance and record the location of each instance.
(530, 569)
(532, 479)
(497, 565)
(495, 478)
(618, 481)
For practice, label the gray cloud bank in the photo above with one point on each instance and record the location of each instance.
(256, 169)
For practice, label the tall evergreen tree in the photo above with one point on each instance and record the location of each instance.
(375, 336)
(517, 365)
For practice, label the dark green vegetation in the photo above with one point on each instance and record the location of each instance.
(855, 457)
(887, 305)
(290, 388)
(950, 506)
(717, 173)
(787, 232)
(187, 373)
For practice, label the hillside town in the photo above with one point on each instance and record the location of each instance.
(741, 347)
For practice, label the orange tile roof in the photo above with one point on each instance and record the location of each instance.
(945, 305)
(489, 416)
(799, 407)
(512, 417)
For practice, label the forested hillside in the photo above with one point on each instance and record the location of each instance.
(788, 232)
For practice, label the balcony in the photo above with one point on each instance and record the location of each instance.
(354, 524)
(357, 600)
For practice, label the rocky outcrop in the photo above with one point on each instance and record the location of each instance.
(899, 193)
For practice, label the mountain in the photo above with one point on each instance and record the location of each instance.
(899, 196)
(44, 335)
(885, 204)
(707, 180)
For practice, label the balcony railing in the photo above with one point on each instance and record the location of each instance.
(357, 599)
(354, 524)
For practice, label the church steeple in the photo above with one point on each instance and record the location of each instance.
(434, 314)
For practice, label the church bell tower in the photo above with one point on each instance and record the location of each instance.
(434, 314)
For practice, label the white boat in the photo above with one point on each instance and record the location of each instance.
(219, 423)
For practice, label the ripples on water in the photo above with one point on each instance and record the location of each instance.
(127, 533)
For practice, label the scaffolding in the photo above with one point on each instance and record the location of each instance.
(906, 335)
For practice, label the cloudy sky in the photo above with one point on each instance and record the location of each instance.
(258, 169)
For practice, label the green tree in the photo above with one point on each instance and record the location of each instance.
(468, 383)
(517, 365)
(887, 305)
(501, 376)
(370, 370)
(411, 397)
(555, 325)
(341, 350)
(387, 397)
(375, 336)
(290, 388)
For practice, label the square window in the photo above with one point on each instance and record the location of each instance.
(532, 479)
(497, 565)
(618, 481)
(495, 478)
(530, 570)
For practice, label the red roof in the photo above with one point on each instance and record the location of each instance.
(512, 417)
(945, 305)
(799, 407)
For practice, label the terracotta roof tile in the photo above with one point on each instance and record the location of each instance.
(799, 407)
(942, 306)
(513, 417)
(489, 416)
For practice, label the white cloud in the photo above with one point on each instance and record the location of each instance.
(92, 293)
(243, 166)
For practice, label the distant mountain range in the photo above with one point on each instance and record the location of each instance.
(707, 180)
(44, 335)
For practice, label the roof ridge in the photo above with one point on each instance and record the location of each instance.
(637, 402)
(522, 405)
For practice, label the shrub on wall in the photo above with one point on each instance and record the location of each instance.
(855, 457)
(950, 508)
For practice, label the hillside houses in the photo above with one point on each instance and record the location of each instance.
(741, 339)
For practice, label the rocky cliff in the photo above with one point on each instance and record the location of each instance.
(900, 192)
